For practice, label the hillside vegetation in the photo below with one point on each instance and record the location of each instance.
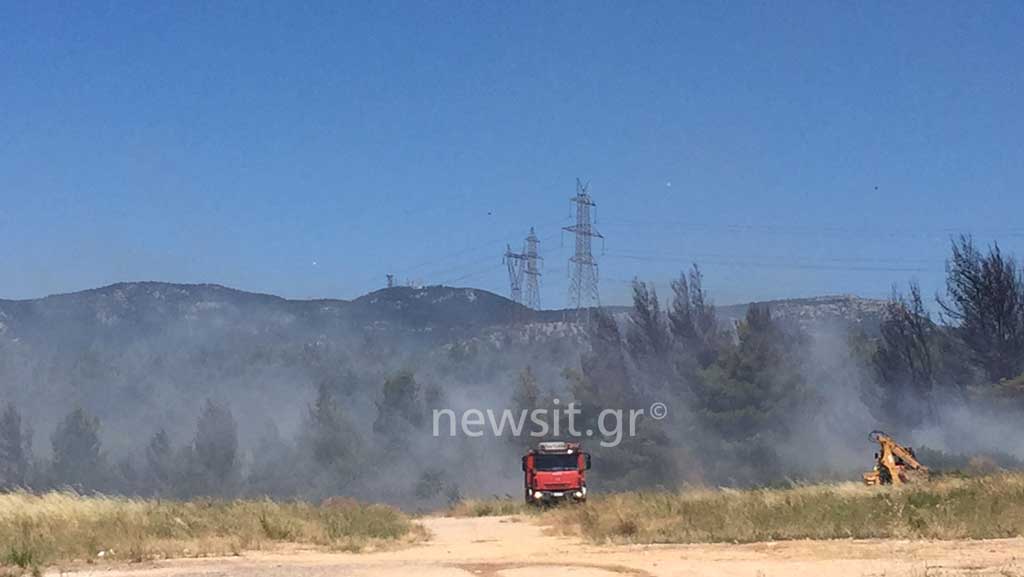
(40, 530)
(138, 389)
(952, 508)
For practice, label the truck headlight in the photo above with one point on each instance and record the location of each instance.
(537, 495)
(578, 494)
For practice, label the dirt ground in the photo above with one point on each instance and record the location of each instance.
(517, 547)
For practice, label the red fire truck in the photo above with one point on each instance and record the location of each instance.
(555, 471)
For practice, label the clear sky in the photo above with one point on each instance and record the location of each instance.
(307, 149)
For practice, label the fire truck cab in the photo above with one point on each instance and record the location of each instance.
(555, 471)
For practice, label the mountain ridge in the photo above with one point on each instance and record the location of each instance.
(436, 305)
(228, 289)
(146, 354)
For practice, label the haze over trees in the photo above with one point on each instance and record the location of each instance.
(14, 449)
(77, 459)
(985, 306)
(271, 411)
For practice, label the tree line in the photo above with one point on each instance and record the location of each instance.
(740, 397)
(974, 348)
(326, 457)
(744, 394)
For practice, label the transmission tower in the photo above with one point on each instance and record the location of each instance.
(582, 266)
(514, 262)
(532, 271)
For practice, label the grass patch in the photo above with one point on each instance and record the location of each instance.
(949, 508)
(40, 530)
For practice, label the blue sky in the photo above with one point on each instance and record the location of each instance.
(307, 150)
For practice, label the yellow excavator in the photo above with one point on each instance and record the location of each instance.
(894, 463)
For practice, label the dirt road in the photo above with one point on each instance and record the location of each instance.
(517, 547)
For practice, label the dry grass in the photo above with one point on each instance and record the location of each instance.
(40, 530)
(971, 508)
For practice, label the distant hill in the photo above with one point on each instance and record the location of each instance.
(146, 354)
(841, 312)
(151, 306)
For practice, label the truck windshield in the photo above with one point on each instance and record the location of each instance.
(555, 462)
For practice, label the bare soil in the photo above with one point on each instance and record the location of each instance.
(519, 547)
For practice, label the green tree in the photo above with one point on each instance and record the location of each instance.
(160, 462)
(647, 337)
(604, 380)
(77, 457)
(215, 446)
(279, 469)
(756, 388)
(747, 399)
(400, 407)
(985, 302)
(906, 359)
(527, 395)
(692, 322)
(330, 435)
(14, 449)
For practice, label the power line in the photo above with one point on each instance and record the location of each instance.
(443, 272)
(464, 265)
(779, 264)
(839, 259)
(472, 274)
(812, 230)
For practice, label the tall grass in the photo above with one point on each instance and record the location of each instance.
(37, 530)
(971, 508)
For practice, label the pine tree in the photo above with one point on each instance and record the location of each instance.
(77, 457)
(604, 380)
(14, 453)
(702, 308)
(647, 337)
(692, 320)
(330, 436)
(755, 388)
(527, 394)
(400, 409)
(906, 359)
(748, 399)
(986, 303)
(680, 315)
(160, 462)
(215, 446)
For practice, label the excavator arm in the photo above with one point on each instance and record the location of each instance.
(907, 457)
(894, 463)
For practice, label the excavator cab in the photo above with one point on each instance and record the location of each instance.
(894, 464)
